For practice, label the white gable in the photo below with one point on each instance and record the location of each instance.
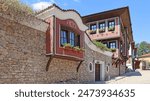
(63, 15)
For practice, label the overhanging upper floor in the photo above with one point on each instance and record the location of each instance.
(122, 13)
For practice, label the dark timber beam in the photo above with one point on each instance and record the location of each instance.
(49, 62)
(79, 65)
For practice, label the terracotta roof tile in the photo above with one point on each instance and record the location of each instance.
(54, 5)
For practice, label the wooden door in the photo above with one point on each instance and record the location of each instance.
(97, 72)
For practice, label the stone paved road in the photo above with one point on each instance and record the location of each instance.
(137, 77)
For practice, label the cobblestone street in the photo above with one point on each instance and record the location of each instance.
(137, 77)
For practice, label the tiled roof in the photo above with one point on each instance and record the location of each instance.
(118, 10)
(54, 5)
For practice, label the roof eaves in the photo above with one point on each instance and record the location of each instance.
(54, 5)
(105, 12)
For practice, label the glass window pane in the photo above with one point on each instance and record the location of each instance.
(112, 44)
(72, 38)
(93, 27)
(102, 26)
(63, 37)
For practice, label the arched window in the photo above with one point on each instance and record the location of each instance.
(90, 67)
(108, 66)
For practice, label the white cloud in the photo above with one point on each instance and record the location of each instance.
(42, 5)
(76, 0)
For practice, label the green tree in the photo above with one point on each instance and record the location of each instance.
(17, 5)
(143, 48)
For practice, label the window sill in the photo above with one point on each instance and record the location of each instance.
(92, 31)
(111, 29)
(101, 30)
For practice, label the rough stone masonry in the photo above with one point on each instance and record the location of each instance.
(23, 54)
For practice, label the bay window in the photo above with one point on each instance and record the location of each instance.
(67, 36)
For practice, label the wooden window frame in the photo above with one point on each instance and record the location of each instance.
(62, 37)
(113, 45)
(68, 37)
(93, 25)
(102, 27)
(111, 25)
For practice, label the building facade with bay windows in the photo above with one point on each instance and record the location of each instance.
(55, 46)
(113, 29)
(68, 41)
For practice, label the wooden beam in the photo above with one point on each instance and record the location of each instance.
(79, 65)
(48, 63)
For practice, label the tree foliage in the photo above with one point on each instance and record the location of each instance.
(101, 46)
(17, 5)
(143, 48)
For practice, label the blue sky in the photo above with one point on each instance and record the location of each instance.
(139, 11)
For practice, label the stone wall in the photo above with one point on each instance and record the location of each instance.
(90, 56)
(114, 71)
(93, 54)
(23, 58)
(23, 52)
(62, 71)
(122, 69)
